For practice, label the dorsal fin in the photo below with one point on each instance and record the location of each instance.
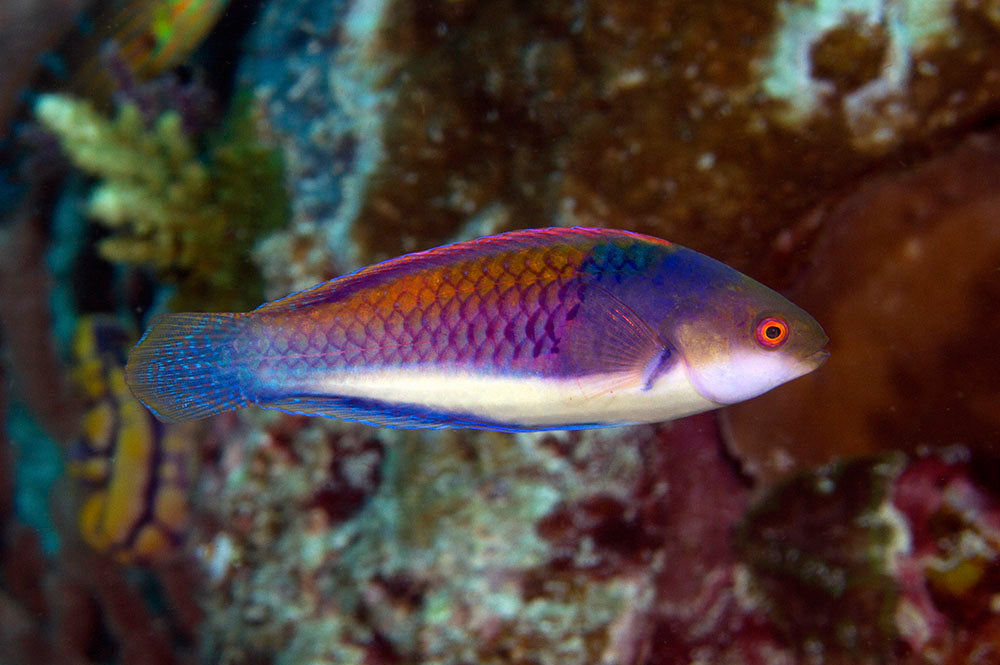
(387, 271)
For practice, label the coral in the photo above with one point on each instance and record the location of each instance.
(882, 560)
(903, 280)
(782, 136)
(411, 124)
(64, 45)
(850, 55)
(307, 64)
(822, 547)
(339, 543)
(334, 546)
(194, 221)
(952, 505)
(281, 494)
(193, 101)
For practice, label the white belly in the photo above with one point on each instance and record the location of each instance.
(526, 402)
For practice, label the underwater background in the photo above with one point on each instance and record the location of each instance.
(205, 155)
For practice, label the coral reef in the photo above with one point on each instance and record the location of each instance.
(194, 222)
(822, 147)
(339, 543)
(882, 560)
(489, 548)
(411, 124)
(65, 45)
(904, 281)
(716, 126)
(829, 540)
(311, 67)
(951, 503)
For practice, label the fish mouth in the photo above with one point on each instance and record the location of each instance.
(816, 359)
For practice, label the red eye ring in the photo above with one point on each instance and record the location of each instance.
(771, 332)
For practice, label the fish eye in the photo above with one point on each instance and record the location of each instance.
(771, 332)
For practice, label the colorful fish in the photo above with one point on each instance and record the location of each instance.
(135, 470)
(528, 330)
(149, 36)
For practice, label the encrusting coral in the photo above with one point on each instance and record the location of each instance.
(193, 219)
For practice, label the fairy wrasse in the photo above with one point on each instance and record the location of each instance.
(528, 330)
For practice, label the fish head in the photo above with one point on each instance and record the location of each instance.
(740, 339)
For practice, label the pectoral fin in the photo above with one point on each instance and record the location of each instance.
(610, 347)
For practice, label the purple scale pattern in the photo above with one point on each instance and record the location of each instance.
(498, 314)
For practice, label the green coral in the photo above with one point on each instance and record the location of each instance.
(193, 218)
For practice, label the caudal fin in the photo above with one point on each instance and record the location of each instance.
(183, 367)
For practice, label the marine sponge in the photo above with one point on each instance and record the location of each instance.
(193, 219)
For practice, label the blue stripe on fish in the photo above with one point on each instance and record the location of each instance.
(406, 416)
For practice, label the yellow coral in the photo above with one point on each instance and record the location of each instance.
(193, 220)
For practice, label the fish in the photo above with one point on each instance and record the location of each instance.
(134, 471)
(147, 37)
(539, 329)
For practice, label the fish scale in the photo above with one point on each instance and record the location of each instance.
(480, 313)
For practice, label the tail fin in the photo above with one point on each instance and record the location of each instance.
(184, 367)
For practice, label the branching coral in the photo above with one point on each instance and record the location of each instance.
(192, 218)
